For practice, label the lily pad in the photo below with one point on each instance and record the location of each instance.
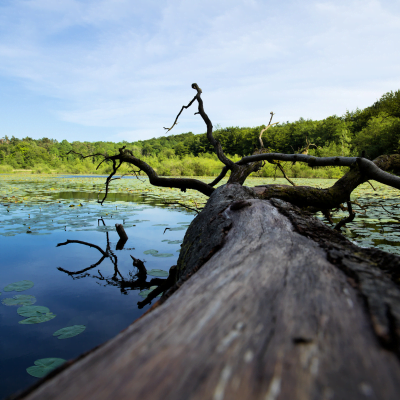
(43, 366)
(32, 311)
(179, 228)
(160, 225)
(69, 331)
(19, 286)
(38, 319)
(162, 255)
(145, 293)
(20, 300)
(151, 251)
(158, 272)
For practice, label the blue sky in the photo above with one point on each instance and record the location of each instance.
(121, 70)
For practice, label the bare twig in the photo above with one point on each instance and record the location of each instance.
(371, 185)
(263, 130)
(284, 174)
(109, 179)
(346, 220)
(83, 157)
(180, 112)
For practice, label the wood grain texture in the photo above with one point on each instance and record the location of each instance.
(267, 316)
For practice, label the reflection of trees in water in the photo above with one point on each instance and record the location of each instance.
(128, 197)
(136, 280)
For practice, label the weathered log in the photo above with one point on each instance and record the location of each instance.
(270, 304)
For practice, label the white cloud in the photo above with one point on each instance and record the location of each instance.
(129, 65)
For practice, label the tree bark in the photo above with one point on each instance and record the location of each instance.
(269, 304)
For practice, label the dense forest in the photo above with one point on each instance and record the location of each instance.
(374, 130)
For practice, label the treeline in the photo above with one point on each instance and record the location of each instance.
(375, 130)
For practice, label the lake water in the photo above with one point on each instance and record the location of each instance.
(98, 298)
(37, 213)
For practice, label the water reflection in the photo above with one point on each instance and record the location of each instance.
(136, 280)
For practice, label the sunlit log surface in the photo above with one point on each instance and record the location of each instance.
(270, 305)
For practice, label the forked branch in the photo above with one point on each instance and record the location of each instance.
(264, 129)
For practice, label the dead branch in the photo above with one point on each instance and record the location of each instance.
(371, 185)
(179, 183)
(222, 174)
(216, 144)
(263, 130)
(284, 174)
(346, 220)
(370, 169)
(360, 172)
(180, 112)
(83, 157)
(109, 179)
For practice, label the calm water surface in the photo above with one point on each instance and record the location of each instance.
(91, 298)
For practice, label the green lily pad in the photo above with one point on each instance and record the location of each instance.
(151, 251)
(19, 286)
(179, 228)
(158, 272)
(43, 366)
(162, 255)
(160, 225)
(20, 300)
(69, 331)
(38, 319)
(145, 293)
(32, 311)
(174, 241)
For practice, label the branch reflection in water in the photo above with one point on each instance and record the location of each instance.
(136, 280)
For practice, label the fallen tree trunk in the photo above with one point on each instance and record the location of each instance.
(270, 304)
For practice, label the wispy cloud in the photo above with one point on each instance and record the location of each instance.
(128, 65)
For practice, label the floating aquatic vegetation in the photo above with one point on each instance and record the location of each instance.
(32, 311)
(46, 202)
(38, 319)
(145, 293)
(19, 286)
(158, 272)
(155, 253)
(43, 366)
(35, 314)
(151, 251)
(69, 331)
(20, 300)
